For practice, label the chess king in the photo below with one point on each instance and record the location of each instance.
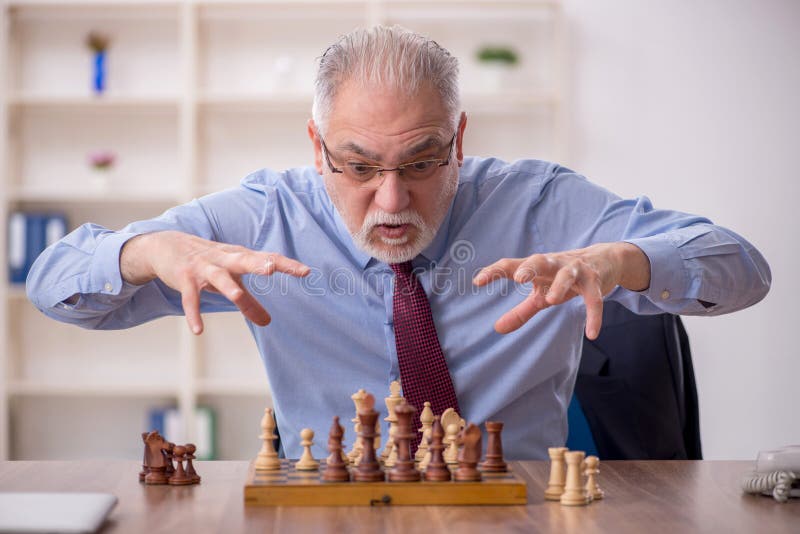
(396, 256)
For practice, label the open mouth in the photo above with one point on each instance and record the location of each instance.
(392, 230)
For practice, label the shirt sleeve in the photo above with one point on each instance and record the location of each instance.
(696, 267)
(85, 264)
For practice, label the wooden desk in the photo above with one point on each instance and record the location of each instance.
(673, 497)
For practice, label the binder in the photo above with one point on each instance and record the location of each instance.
(28, 235)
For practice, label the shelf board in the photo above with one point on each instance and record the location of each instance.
(273, 102)
(245, 388)
(39, 389)
(473, 11)
(42, 194)
(85, 103)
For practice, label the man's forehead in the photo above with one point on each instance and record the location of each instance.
(386, 110)
(427, 141)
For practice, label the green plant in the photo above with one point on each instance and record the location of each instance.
(497, 54)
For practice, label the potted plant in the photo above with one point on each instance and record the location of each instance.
(497, 63)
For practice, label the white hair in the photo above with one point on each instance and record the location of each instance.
(385, 56)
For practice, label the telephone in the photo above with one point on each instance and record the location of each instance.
(777, 473)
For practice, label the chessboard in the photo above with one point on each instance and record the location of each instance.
(290, 487)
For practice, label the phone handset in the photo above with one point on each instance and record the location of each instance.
(777, 473)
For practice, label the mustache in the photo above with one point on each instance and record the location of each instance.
(377, 218)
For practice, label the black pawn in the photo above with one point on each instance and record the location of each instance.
(335, 470)
(437, 470)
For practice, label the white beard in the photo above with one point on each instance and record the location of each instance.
(401, 249)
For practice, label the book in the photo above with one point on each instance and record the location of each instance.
(29, 234)
(169, 423)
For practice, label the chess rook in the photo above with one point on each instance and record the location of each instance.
(558, 474)
(494, 462)
(574, 490)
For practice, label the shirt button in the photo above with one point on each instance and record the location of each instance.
(108, 287)
(664, 295)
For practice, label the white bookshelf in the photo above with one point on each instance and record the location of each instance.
(199, 94)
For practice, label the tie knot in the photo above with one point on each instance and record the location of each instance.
(401, 269)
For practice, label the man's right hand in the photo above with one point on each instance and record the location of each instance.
(190, 264)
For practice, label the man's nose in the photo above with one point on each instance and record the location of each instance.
(392, 195)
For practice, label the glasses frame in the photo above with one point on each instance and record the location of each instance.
(380, 170)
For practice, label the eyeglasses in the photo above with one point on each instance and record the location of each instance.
(363, 175)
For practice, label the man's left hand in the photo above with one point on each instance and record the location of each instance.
(590, 272)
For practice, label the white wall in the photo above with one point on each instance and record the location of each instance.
(697, 105)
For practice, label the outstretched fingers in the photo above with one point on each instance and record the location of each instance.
(522, 312)
(243, 261)
(231, 287)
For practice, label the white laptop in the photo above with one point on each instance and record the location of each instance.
(54, 512)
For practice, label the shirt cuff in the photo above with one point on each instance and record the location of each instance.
(669, 279)
(104, 274)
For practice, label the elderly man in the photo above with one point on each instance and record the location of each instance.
(396, 257)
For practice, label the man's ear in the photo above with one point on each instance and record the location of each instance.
(315, 140)
(462, 125)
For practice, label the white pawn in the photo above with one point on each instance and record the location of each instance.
(451, 439)
(267, 458)
(307, 461)
(591, 472)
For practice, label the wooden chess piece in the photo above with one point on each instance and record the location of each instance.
(336, 469)
(190, 472)
(404, 470)
(426, 421)
(558, 474)
(145, 469)
(306, 461)
(368, 469)
(469, 455)
(355, 453)
(168, 455)
(179, 477)
(267, 458)
(574, 491)
(156, 461)
(451, 440)
(389, 454)
(391, 460)
(423, 465)
(494, 462)
(450, 417)
(592, 470)
(437, 470)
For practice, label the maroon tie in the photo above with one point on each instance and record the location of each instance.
(423, 369)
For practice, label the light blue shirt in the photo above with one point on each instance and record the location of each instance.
(332, 332)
